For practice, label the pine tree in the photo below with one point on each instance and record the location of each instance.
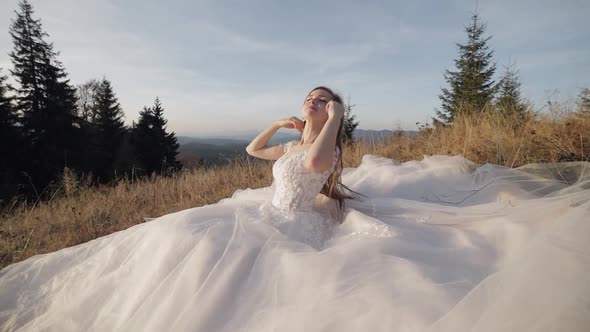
(509, 100)
(144, 142)
(584, 100)
(45, 99)
(349, 124)
(155, 149)
(167, 141)
(471, 87)
(109, 130)
(8, 116)
(10, 145)
(125, 156)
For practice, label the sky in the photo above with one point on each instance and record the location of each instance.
(224, 67)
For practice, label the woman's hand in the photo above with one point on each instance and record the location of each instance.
(335, 110)
(291, 123)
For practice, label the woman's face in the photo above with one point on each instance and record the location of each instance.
(315, 103)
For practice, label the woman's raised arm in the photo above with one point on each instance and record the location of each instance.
(258, 148)
(321, 152)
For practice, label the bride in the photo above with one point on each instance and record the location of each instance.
(318, 158)
(435, 245)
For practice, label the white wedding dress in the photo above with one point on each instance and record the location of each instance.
(437, 245)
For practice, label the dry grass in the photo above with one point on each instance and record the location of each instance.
(81, 213)
(558, 135)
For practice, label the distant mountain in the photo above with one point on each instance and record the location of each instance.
(378, 135)
(194, 151)
(182, 140)
(247, 137)
(219, 149)
(367, 135)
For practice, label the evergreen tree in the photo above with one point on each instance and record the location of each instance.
(509, 100)
(143, 142)
(584, 100)
(167, 141)
(155, 149)
(8, 116)
(471, 86)
(45, 99)
(125, 156)
(349, 124)
(109, 130)
(10, 145)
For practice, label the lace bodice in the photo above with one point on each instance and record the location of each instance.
(291, 209)
(296, 187)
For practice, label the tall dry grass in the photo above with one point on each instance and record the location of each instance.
(82, 213)
(507, 140)
(79, 213)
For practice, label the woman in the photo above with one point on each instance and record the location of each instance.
(321, 144)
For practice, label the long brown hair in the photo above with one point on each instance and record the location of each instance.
(334, 188)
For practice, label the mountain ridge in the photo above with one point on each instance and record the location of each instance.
(219, 149)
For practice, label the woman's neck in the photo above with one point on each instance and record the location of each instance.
(311, 132)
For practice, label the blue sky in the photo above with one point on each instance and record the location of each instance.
(221, 67)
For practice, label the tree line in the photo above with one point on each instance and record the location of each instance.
(47, 125)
